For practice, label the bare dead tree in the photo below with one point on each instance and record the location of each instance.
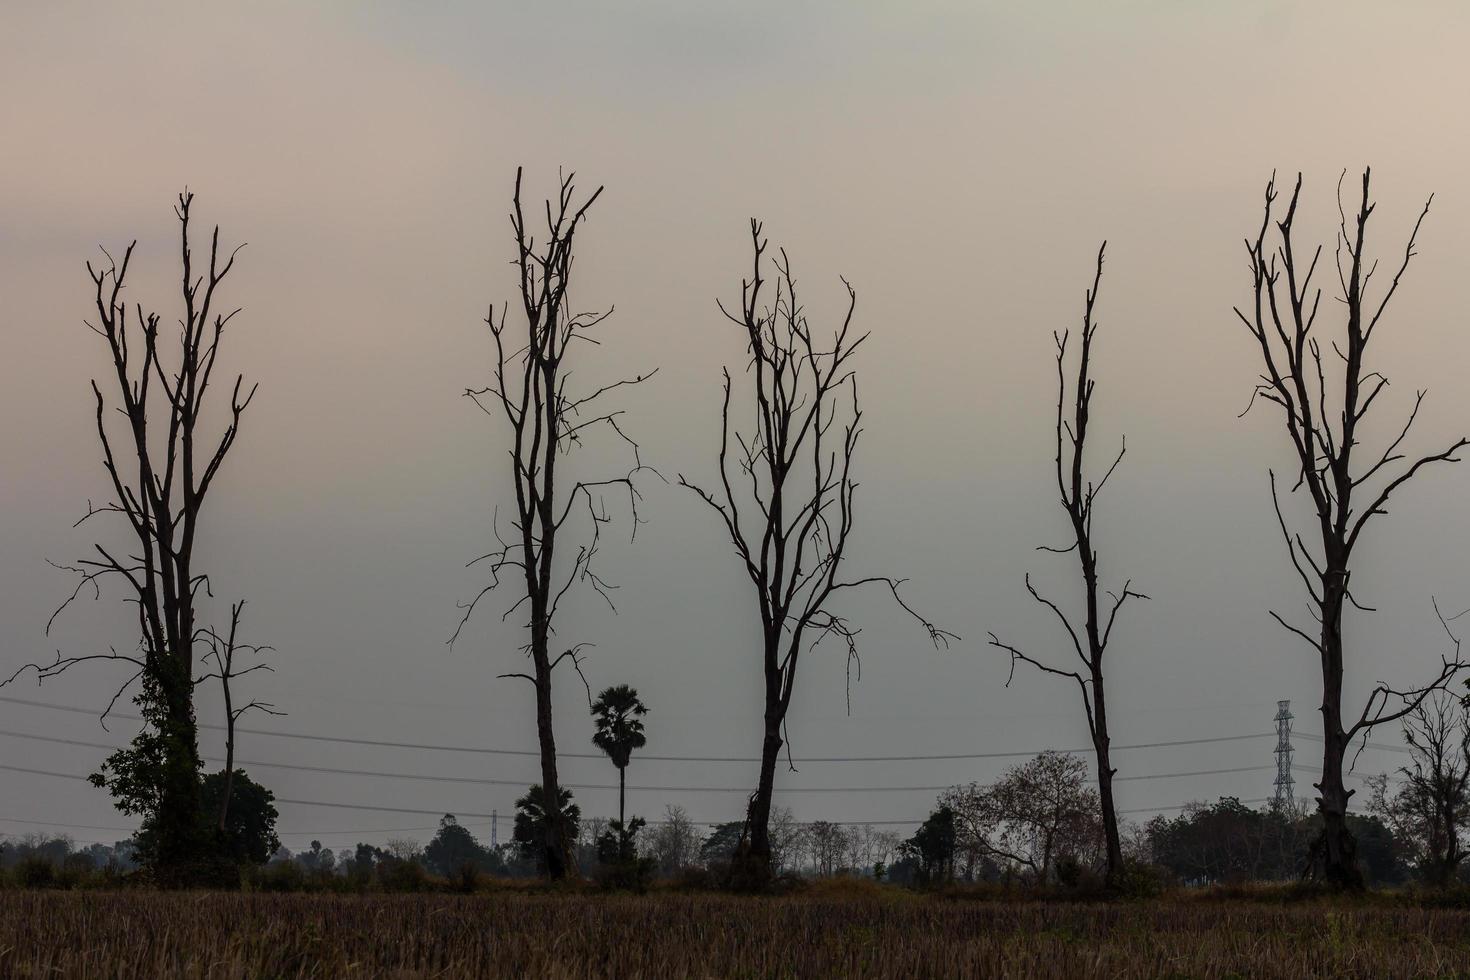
(786, 499)
(1325, 391)
(1429, 812)
(221, 655)
(1078, 494)
(547, 421)
(161, 469)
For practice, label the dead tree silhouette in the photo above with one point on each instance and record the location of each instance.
(1078, 494)
(1304, 383)
(161, 500)
(547, 421)
(223, 648)
(792, 517)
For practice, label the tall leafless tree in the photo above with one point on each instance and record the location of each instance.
(1078, 494)
(223, 648)
(547, 421)
(786, 499)
(1326, 390)
(161, 467)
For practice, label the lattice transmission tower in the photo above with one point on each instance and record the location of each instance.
(1285, 785)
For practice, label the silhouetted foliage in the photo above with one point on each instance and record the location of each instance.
(1038, 814)
(454, 849)
(533, 817)
(617, 713)
(249, 834)
(933, 847)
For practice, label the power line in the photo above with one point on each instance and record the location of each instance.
(379, 743)
(42, 772)
(486, 816)
(279, 833)
(485, 781)
(74, 826)
(1380, 746)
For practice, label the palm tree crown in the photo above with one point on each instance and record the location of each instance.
(619, 731)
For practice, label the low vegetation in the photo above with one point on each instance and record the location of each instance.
(876, 932)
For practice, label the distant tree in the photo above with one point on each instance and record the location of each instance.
(618, 712)
(788, 836)
(161, 468)
(590, 832)
(870, 848)
(719, 847)
(618, 849)
(547, 421)
(1227, 841)
(360, 863)
(1378, 849)
(674, 843)
(1325, 389)
(1430, 811)
(1078, 494)
(1038, 812)
(454, 848)
(933, 846)
(533, 816)
(829, 842)
(318, 858)
(249, 833)
(793, 517)
(404, 849)
(619, 842)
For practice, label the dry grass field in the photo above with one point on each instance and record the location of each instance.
(139, 934)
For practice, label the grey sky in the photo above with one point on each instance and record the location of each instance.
(958, 162)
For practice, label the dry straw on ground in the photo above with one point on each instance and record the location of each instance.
(142, 934)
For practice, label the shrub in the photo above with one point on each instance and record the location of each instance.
(34, 871)
(1139, 879)
(282, 876)
(404, 876)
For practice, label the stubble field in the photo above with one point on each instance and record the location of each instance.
(207, 935)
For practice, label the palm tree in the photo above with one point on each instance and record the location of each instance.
(533, 819)
(619, 732)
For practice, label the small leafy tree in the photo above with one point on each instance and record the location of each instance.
(1038, 812)
(533, 818)
(249, 834)
(933, 845)
(454, 849)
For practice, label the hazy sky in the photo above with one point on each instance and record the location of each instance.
(958, 162)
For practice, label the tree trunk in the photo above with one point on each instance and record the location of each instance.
(556, 846)
(178, 814)
(622, 797)
(1335, 853)
(1105, 772)
(752, 863)
(224, 803)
